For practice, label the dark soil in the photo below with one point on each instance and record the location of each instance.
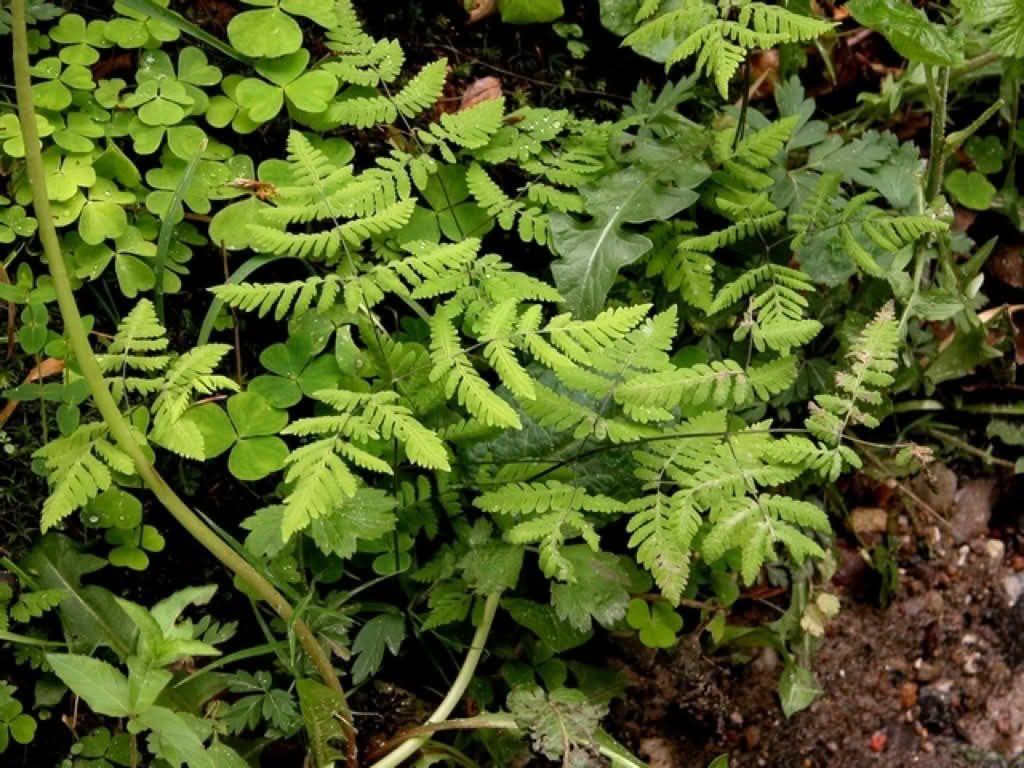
(935, 679)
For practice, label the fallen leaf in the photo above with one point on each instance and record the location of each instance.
(483, 89)
(481, 9)
(49, 367)
(869, 520)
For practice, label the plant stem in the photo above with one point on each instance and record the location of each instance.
(454, 695)
(1010, 182)
(938, 92)
(500, 721)
(102, 398)
(963, 445)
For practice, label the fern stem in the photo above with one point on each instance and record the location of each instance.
(938, 91)
(102, 398)
(458, 687)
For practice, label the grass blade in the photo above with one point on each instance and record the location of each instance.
(163, 243)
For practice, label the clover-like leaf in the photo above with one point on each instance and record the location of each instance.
(79, 45)
(114, 508)
(14, 222)
(10, 133)
(78, 133)
(195, 68)
(135, 30)
(268, 32)
(103, 216)
(249, 428)
(987, 153)
(658, 624)
(66, 173)
(970, 189)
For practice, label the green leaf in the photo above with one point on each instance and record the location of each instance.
(171, 728)
(100, 685)
(797, 688)
(215, 427)
(113, 508)
(23, 729)
(908, 31)
(987, 153)
(129, 556)
(264, 33)
(384, 631)
(254, 458)
(530, 11)
(322, 712)
(593, 253)
(970, 189)
(90, 614)
(600, 591)
(542, 620)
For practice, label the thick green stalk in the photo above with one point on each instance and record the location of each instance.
(447, 706)
(938, 95)
(101, 396)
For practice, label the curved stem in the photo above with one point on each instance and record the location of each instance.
(447, 706)
(102, 398)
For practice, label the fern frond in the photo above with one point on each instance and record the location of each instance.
(391, 420)
(190, 374)
(460, 378)
(533, 224)
(874, 357)
(78, 470)
(317, 246)
(321, 482)
(468, 128)
(385, 220)
(720, 41)
(755, 525)
(719, 384)
(139, 335)
(294, 297)
(555, 513)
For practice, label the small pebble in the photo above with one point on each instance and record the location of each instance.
(970, 666)
(736, 718)
(908, 695)
(832, 747)
(878, 740)
(994, 550)
(928, 747)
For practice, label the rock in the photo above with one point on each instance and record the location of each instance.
(973, 509)
(1013, 585)
(926, 671)
(936, 486)
(766, 662)
(752, 736)
(970, 665)
(994, 551)
(936, 702)
(1000, 726)
(865, 520)
(908, 695)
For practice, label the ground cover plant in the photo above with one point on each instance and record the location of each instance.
(438, 390)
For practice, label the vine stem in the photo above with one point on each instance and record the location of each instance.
(108, 408)
(458, 688)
